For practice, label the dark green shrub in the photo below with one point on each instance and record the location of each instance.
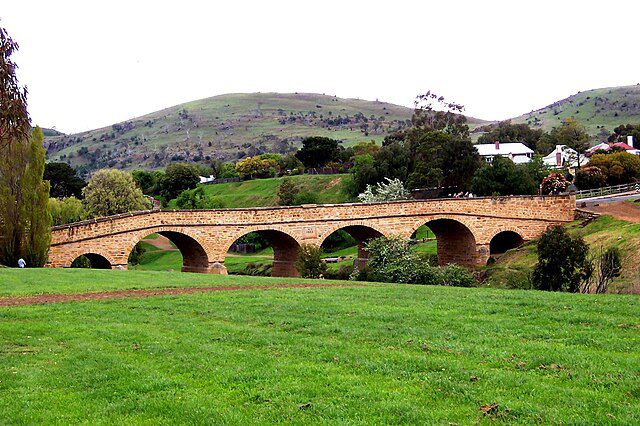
(456, 276)
(562, 262)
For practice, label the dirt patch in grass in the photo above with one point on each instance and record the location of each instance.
(621, 210)
(59, 298)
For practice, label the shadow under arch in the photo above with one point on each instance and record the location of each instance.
(91, 260)
(455, 242)
(503, 241)
(194, 256)
(285, 251)
(362, 234)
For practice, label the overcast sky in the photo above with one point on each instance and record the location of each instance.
(90, 64)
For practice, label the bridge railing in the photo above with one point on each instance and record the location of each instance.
(607, 190)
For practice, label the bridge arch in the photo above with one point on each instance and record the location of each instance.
(285, 249)
(96, 261)
(504, 240)
(194, 254)
(456, 243)
(362, 234)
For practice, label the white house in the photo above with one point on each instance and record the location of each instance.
(205, 179)
(516, 151)
(563, 156)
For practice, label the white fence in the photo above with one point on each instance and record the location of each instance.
(607, 190)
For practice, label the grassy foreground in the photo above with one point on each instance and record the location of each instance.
(372, 354)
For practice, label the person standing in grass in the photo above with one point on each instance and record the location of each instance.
(21, 263)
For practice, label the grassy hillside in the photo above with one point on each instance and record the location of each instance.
(373, 354)
(599, 110)
(227, 127)
(512, 268)
(263, 192)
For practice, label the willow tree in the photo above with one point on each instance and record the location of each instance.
(24, 219)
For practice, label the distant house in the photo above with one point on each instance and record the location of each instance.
(207, 179)
(516, 151)
(563, 156)
(604, 146)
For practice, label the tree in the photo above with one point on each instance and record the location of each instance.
(562, 262)
(621, 132)
(287, 192)
(363, 172)
(178, 177)
(145, 180)
(505, 131)
(606, 266)
(590, 177)
(63, 180)
(194, 199)
(112, 192)
(503, 177)
(66, 210)
(25, 223)
(618, 167)
(310, 263)
(363, 148)
(442, 160)
(317, 151)
(292, 165)
(15, 124)
(392, 190)
(257, 167)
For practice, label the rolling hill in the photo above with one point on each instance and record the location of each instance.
(599, 110)
(228, 127)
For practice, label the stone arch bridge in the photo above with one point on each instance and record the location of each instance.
(467, 230)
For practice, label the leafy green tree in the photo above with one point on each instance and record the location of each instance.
(618, 167)
(194, 199)
(292, 165)
(562, 262)
(317, 151)
(287, 192)
(309, 263)
(66, 210)
(146, 180)
(503, 177)
(15, 124)
(363, 148)
(25, 222)
(178, 177)
(363, 172)
(63, 180)
(112, 192)
(621, 132)
(505, 131)
(257, 167)
(590, 177)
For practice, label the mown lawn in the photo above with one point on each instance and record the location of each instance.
(372, 354)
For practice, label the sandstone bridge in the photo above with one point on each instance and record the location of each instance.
(468, 231)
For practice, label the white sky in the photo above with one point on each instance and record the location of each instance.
(89, 64)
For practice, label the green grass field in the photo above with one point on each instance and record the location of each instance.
(375, 354)
(330, 189)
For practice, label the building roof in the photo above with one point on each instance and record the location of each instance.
(623, 145)
(504, 149)
(568, 157)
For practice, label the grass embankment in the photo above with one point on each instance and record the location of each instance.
(374, 354)
(512, 268)
(263, 192)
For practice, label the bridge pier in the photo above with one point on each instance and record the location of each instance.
(214, 268)
(284, 268)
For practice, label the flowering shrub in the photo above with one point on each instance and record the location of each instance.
(554, 184)
(392, 190)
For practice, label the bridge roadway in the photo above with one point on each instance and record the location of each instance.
(468, 230)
